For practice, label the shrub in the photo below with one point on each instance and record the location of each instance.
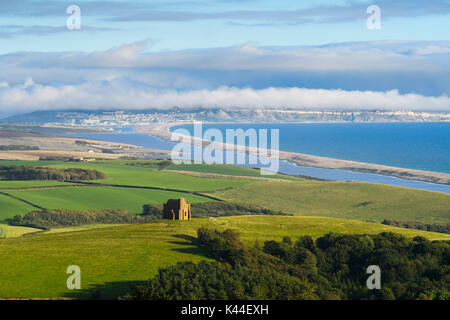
(440, 228)
(215, 209)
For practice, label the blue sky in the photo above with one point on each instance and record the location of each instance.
(225, 52)
(175, 25)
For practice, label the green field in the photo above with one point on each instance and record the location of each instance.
(228, 170)
(13, 231)
(121, 174)
(10, 207)
(80, 228)
(112, 258)
(37, 163)
(362, 201)
(31, 184)
(352, 200)
(85, 198)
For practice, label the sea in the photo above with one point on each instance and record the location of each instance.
(423, 146)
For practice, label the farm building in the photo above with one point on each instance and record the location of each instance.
(177, 209)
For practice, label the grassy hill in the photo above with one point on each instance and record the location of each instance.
(113, 258)
(352, 200)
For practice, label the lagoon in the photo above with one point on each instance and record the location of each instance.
(147, 141)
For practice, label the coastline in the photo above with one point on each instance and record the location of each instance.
(162, 131)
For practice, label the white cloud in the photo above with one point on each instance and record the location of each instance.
(119, 95)
(366, 56)
(359, 56)
(371, 75)
(28, 83)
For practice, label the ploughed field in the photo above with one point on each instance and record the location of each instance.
(113, 257)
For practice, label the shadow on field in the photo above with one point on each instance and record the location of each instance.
(106, 291)
(191, 246)
(114, 290)
(185, 237)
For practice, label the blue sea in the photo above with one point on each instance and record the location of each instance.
(424, 146)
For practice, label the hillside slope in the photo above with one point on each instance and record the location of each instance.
(111, 259)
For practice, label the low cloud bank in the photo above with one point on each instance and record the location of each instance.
(119, 95)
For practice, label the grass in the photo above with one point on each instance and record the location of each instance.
(13, 231)
(265, 228)
(228, 170)
(10, 207)
(113, 258)
(352, 200)
(8, 231)
(37, 163)
(146, 173)
(118, 173)
(362, 201)
(81, 228)
(85, 198)
(31, 184)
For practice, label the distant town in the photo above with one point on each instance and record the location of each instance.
(144, 117)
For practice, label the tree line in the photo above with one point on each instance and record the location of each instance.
(331, 267)
(64, 217)
(440, 228)
(215, 209)
(45, 173)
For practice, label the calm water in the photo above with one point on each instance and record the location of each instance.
(294, 136)
(129, 137)
(423, 146)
